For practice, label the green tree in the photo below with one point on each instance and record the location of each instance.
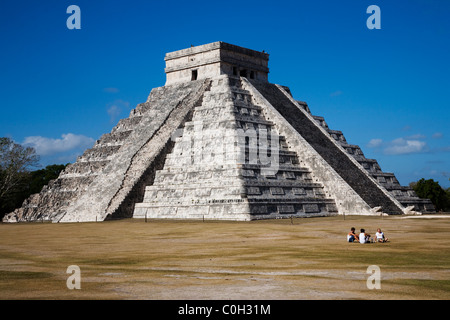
(15, 163)
(448, 199)
(32, 183)
(431, 189)
(42, 177)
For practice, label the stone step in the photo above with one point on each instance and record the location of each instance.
(113, 138)
(100, 152)
(127, 124)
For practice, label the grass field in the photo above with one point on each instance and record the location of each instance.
(305, 258)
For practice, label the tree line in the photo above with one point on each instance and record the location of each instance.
(430, 189)
(18, 181)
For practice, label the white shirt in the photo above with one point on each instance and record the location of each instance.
(362, 238)
(380, 235)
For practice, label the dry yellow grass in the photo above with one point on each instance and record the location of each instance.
(273, 259)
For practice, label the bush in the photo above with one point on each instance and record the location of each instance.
(430, 189)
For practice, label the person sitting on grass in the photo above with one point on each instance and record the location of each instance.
(380, 236)
(352, 236)
(364, 237)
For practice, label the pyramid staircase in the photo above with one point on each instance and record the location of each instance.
(209, 174)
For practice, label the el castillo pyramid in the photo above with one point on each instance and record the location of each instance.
(218, 141)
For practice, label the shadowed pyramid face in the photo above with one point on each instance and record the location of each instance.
(219, 141)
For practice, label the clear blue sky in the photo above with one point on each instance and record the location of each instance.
(388, 90)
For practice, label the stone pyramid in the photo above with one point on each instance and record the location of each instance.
(219, 141)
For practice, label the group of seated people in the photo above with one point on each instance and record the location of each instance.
(364, 237)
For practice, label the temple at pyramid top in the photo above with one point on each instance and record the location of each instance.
(214, 59)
